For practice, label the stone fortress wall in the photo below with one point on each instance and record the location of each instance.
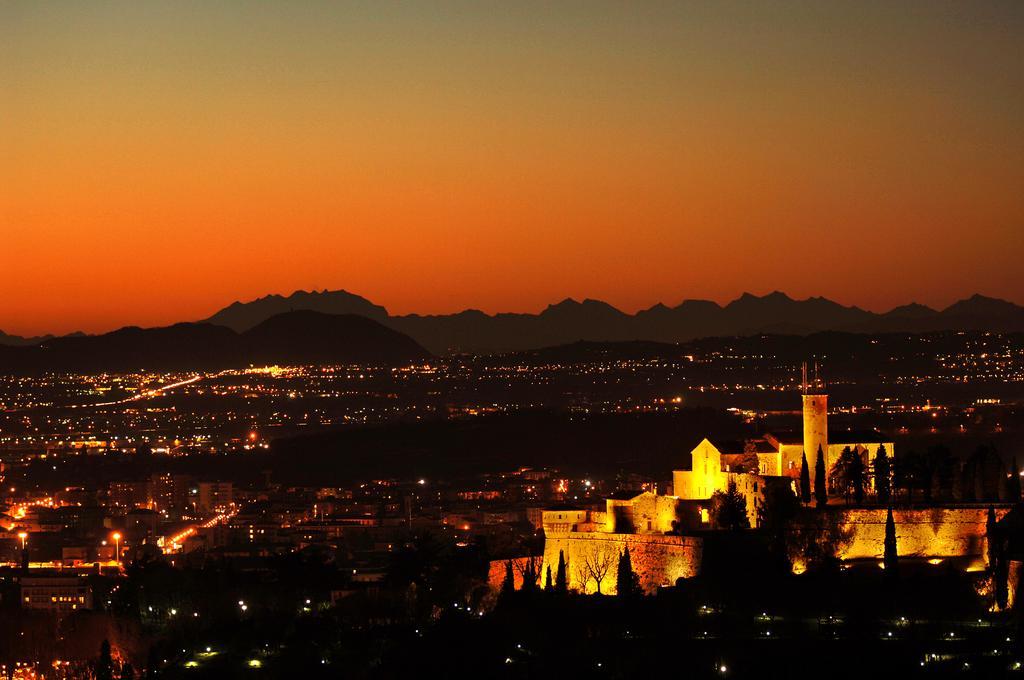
(658, 560)
(932, 533)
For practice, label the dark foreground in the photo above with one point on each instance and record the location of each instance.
(929, 621)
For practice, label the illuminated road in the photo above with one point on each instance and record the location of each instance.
(172, 544)
(147, 394)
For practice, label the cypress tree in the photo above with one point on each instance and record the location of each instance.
(547, 579)
(561, 580)
(1001, 576)
(805, 480)
(991, 540)
(1013, 483)
(626, 582)
(890, 557)
(820, 492)
(529, 575)
(857, 478)
(508, 586)
(881, 474)
(105, 665)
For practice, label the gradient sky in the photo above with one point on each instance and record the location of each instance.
(161, 159)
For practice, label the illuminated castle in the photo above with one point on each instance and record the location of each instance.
(663, 531)
(668, 534)
(778, 455)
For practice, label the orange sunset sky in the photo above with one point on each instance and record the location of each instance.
(159, 160)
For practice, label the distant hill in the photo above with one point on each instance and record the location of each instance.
(593, 320)
(241, 316)
(6, 339)
(301, 337)
(305, 337)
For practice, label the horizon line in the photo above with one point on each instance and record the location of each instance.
(390, 314)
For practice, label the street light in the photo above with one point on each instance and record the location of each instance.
(24, 537)
(117, 546)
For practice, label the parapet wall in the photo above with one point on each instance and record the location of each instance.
(926, 533)
(657, 559)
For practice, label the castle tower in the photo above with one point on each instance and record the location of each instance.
(815, 403)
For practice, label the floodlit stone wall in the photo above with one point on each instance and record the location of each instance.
(928, 533)
(645, 513)
(657, 559)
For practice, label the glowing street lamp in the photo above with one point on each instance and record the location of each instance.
(117, 546)
(24, 538)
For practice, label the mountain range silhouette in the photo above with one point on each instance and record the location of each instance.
(570, 320)
(342, 327)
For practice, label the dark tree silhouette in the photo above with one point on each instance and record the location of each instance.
(820, 479)
(627, 583)
(509, 584)
(1013, 483)
(547, 579)
(561, 576)
(748, 462)
(774, 517)
(983, 475)
(105, 665)
(890, 557)
(805, 480)
(998, 564)
(1002, 583)
(817, 539)
(942, 472)
(858, 477)
(729, 509)
(991, 539)
(530, 574)
(911, 473)
(881, 471)
(847, 475)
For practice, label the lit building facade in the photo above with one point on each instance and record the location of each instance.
(663, 531)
